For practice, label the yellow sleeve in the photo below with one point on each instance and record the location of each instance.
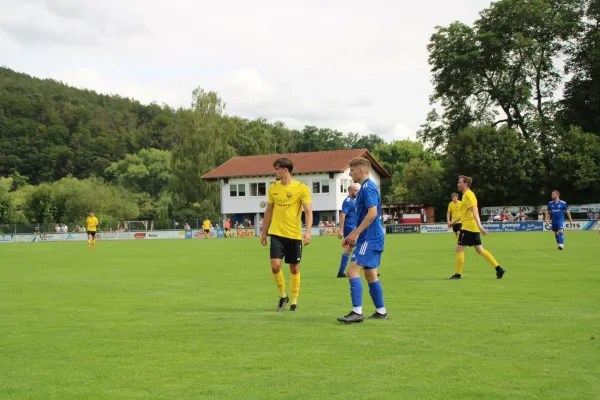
(468, 200)
(305, 198)
(270, 199)
(450, 207)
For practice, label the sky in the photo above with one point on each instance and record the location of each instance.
(355, 66)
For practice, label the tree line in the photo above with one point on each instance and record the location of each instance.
(496, 116)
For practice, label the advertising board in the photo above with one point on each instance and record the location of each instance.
(241, 233)
(577, 225)
(391, 229)
(435, 228)
(531, 226)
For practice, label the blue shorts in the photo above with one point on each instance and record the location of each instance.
(557, 226)
(366, 257)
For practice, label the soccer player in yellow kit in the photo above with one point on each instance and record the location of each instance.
(206, 227)
(286, 199)
(91, 224)
(469, 234)
(454, 212)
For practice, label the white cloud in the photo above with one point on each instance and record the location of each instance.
(349, 65)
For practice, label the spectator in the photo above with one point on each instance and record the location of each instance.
(187, 227)
(523, 216)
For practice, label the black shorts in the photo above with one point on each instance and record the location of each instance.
(206, 230)
(457, 227)
(92, 233)
(468, 238)
(290, 249)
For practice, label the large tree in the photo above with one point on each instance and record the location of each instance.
(502, 65)
(581, 103)
(203, 143)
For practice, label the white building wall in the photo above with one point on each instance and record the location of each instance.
(248, 204)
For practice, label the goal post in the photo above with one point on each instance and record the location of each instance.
(138, 226)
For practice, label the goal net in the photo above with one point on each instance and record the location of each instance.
(138, 226)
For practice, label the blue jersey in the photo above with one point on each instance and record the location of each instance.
(368, 197)
(557, 210)
(349, 208)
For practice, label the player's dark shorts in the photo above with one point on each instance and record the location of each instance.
(92, 233)
(290, 249)
(457, 227)
(468, 238)
(206, 230)
(557, 226)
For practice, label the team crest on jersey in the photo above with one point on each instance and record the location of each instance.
(289, 195)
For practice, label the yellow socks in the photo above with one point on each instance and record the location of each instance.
(489, 258)
(89, 242)
(93, 242)
(460, 262)
(280, 282)
(295, 284)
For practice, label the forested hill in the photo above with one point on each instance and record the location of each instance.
(49, 130)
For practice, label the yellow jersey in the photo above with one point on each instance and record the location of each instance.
(466, 215)
(206, 224)
(91, 223)
(454, 210)
(287, 208)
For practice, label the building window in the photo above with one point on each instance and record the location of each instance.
(237, 190)
(320, 186)
(345, 184)
(258, 189)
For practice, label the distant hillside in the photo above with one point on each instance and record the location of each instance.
(49, 130)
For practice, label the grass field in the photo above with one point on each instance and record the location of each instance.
(194, 319)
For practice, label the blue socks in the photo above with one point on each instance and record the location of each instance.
(376, 292)
(561, 238)
(343, 263)
(356, 291)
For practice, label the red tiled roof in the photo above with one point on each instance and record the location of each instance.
(304, 163)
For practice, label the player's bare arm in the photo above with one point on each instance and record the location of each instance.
(448, 217)
(341, 228)
(369, 218)
(308, 216)
(452, 223)
(266, 222)
(569, 215)
(547, 217)
(475, 212)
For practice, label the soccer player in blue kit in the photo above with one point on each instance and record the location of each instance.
(368, 239)
(347, 225)
(557, 208)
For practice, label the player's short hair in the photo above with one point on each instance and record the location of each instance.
(284, 163)
(360, 162)
(466, 179)
(454, 194)
(354, 185)
(556, 191)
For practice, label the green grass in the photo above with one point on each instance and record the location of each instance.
(193, 319)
